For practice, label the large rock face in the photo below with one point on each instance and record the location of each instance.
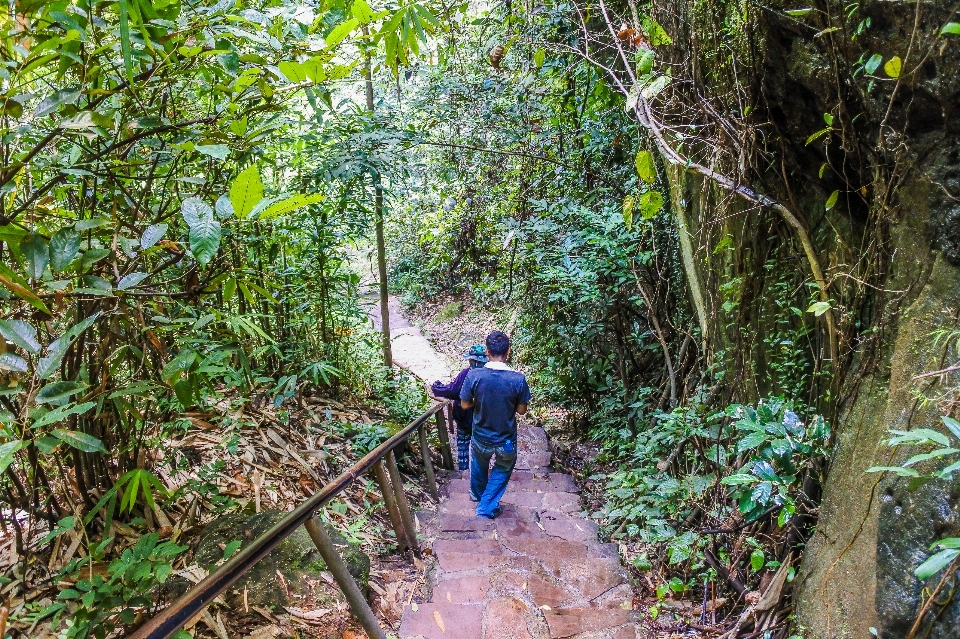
(295, 558)
(873, 531)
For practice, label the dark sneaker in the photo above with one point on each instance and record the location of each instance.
(496, 513)
(472, 498)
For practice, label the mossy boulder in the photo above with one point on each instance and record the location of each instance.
(295, 558)
(448, 312)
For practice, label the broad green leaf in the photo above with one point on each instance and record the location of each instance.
(125, 39)
(60, 414)
(832, 200)
(79, 440)
(339, 32)
(539, 58)
(644, 62)
(50, 364)
(949, 542)
(628, 203)
(11, 362)
(798, 13)
(936, 563)
(819, 308)
(294, 71)
(918, 436)
(653, 88)
(195, 211)
(817, 135)
(952, 425)
(37, 253)
(20, 333)
(64, 247)
(893, 67)
(131, 279)
(218, 151)
(7, 453)
(757, 559)
(361, 11)
(656, 33)
(873, 63)
(950, 28)
(751, 441)
(645, 167)
(246, 191)
(55, 100)
(897, 470)
(650, 204)
(205, 239)
(152, 234)
(940, 452)
(947, 473)
(92, 256)
(56, 391)
(223, 207)
(739, 478)
(93, 223)
(290, 204)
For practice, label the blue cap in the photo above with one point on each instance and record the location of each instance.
(477, 353)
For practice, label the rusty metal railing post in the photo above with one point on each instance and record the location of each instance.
(405, 515)
(428, 463)
(389, 498)
(358, 603)
(445, 452)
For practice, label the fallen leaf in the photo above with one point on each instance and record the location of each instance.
(269, 631)
(414, 607)
(439, 620)
(545, 607)
(309, 616)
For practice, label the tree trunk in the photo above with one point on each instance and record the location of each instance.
(381, 245)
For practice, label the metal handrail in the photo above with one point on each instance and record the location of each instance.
(192, 602)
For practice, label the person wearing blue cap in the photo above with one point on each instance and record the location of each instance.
(462, 417)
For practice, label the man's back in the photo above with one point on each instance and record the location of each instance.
(497, 390)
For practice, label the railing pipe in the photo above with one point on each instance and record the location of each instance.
(358, 603)
(428, 463)
(445, 453)
(390, 500)
(405, 515)
(188, 605)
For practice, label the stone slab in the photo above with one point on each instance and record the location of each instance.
(451, 522)
(462, 621)
(592, 576)
(547, 592)
(462, 589)
(546, 549)
(568, 527)
(567, 622)
(505, 619)
(563, 502)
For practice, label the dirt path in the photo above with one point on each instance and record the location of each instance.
(411, 350)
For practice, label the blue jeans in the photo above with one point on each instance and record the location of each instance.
(489, 485)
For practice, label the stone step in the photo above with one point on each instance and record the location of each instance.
(442, 621)
(569, 622)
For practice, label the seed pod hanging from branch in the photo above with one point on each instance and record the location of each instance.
(496, 56)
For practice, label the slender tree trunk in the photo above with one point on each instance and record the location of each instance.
(381, 245)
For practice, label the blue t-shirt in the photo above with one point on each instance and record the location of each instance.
(497, 390)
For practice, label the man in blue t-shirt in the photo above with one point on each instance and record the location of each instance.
(497, 393)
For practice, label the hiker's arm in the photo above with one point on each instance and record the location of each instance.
(466, 405)
(521, 409)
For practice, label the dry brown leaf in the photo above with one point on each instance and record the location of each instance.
(439, 620)
(308, 616)
(269, 631)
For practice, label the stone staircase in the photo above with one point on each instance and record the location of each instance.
(536, 572)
